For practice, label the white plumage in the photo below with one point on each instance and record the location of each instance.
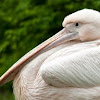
(77, 67)
(65, 67)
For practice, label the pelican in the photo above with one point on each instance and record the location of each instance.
(64, 67)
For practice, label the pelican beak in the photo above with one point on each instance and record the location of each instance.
(57, 39)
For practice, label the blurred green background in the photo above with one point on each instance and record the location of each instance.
(26, 23)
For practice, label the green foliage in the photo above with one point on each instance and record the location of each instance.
(6, 95)
(26, 23)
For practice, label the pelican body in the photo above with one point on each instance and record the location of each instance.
(64, 67)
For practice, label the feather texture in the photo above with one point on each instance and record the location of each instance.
(78, 69)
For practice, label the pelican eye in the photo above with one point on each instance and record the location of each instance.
(76, 24)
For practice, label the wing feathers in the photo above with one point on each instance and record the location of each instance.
(80, 69)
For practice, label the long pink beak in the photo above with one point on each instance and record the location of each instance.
(57, 39)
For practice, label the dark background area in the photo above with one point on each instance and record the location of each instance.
(26, 23)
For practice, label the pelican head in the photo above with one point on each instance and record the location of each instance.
(85, 23)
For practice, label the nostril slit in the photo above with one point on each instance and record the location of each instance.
(68, 31)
